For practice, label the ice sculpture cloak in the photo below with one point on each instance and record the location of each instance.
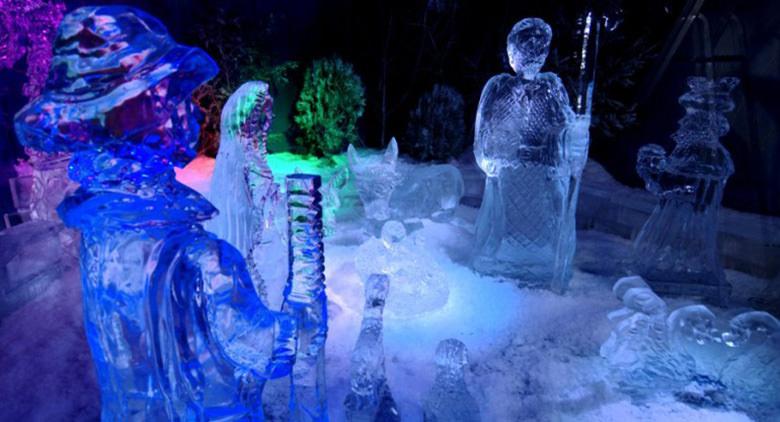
(528, 143)
(174, 325)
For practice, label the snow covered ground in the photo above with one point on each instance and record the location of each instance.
(534, 355)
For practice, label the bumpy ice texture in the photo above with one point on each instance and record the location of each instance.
(390, 188)
(305, 298)
(529, 143)
(369, 398)
(449, 398)
(175, 327)
(676, 250)
(419, 284)
(251, 209)
(703, 359)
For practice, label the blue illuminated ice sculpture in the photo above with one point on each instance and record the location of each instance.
(532, 147)
(676, 251)
(175, 327)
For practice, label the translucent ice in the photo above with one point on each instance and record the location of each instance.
(449, 398)
(375, 178)
(305, 298)
(175, 327)
(390, 188)
(419, 284)
(369, 398)
(676, 250)
(242, 186)
(701, 357)
(529, 143)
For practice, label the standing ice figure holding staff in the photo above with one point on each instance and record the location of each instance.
(530, 144)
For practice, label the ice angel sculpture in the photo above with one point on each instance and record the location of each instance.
(242, 187)
(369, 398)
(529, 143)
(173, 322)
(676, 250)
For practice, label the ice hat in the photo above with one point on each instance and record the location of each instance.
(116, 76)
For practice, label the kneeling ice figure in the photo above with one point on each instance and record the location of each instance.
(449, 399)
(175, 327)
(419, 284)
(529, 143)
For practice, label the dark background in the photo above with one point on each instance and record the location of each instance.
(400, 49)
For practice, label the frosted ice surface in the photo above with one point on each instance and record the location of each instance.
(242, 187)
(419, 283)
(529, 143)
(449, 398)
(676, 250)
(174, 324)
(369, 398)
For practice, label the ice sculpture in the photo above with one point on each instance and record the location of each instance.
(369, 398)
(676, 251)
(419, 284)
(729, 361)
(449, 398)
(390, 188)
(331, 199)
(175, 327)
(530, 144)
(305, 297)
(375, 179)
(242, 187)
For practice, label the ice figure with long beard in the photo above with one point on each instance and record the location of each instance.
(251, 209)
(175, 327)
(529, 143)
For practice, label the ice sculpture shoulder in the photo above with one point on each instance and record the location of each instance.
(676, 250)
(529, 143)
(174, 325)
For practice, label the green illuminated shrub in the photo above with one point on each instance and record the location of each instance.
(330, 104)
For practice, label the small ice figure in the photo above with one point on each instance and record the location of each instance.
(529, 143)
(375, 178)
(676, 250)
(305, 297)
(419, 284)
(370, 399)
(449, 398)
(331, 199)
(390, 188)
(175, 326)
(242, 187)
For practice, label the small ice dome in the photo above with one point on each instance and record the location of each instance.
(527, 46)
(393, 232)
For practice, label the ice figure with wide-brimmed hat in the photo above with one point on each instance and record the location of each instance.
(175, 327)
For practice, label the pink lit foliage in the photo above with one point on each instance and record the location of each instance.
(28, 27)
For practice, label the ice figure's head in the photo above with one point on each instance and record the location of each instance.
(451, 356)
(392, 233)
(247, 114)
(527, 46)
(118, 95)
(375, 177)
